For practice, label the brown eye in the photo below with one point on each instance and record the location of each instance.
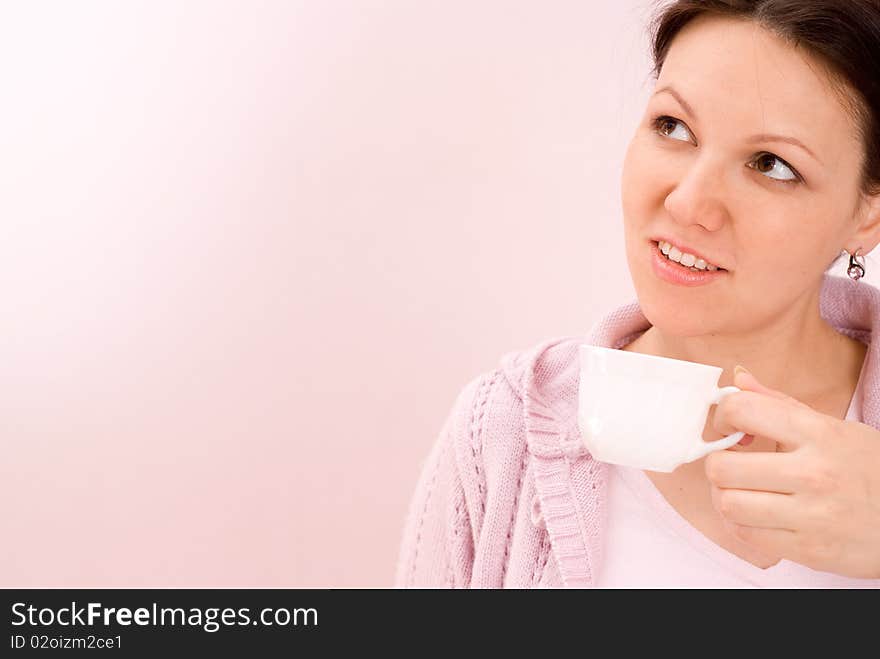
(765, 163)
(665, 124)
(775, 168)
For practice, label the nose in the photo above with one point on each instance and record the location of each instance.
(697, 197)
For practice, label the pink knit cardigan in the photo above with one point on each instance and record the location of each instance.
(510, 498)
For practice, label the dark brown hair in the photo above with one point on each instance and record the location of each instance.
(842, 36)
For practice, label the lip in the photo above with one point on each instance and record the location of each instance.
(679, 275)
(687, 249)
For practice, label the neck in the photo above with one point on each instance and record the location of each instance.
(797, 353)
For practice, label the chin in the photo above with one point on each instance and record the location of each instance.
(666, 309)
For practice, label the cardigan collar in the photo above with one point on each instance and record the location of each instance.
(570, 484)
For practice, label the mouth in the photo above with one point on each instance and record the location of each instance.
(687, 261)
(673, 272)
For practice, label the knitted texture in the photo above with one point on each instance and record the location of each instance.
(509, 497)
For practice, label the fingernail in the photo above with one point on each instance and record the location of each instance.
(739, 369)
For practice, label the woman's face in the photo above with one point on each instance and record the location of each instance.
(772, 213)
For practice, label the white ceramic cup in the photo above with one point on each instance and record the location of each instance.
(646, 411)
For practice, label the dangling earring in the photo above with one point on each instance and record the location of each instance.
(856, 269)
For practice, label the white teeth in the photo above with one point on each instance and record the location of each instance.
(688, 260)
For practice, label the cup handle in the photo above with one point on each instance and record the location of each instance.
(705, 448)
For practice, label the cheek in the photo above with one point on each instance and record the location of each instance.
(640, 188)
(779, 236)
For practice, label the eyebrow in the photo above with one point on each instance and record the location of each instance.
(762, 137)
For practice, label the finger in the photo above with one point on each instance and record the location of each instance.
(772, 542)
(766, 510)
(752, 470)
(784, 422)
(748, 382)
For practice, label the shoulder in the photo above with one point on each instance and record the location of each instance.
(542, 369)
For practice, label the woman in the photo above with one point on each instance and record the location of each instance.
(756, 164)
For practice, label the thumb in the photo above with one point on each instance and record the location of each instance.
(746, 381)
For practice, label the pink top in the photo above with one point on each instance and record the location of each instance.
(510, 497)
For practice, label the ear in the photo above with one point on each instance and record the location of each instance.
(867, 235)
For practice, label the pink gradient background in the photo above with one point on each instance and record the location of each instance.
(250, 252)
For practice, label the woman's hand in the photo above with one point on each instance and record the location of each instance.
(817, 500)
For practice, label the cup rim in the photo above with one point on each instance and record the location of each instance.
(683, 363)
